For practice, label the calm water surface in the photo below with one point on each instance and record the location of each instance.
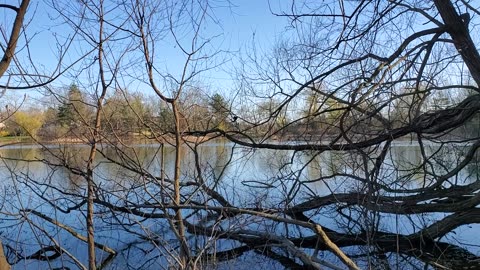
(247, 178)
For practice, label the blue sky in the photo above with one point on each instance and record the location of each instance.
(244, 23)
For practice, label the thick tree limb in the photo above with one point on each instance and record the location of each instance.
(14, 36)
(458, 30)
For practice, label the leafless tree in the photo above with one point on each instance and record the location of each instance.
(328, 110)
(361, 61)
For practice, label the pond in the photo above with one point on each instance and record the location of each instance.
(43, 186)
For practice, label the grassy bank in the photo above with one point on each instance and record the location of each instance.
(15, 139)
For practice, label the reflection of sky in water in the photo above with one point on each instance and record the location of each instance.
(251, 178)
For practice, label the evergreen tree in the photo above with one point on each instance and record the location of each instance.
(74, 109)
(219, 109)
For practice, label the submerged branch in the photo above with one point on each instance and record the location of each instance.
(69, 230)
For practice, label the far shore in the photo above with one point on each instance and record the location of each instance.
(138, 139)
(69, 140)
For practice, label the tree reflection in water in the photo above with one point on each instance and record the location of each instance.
(52, 200)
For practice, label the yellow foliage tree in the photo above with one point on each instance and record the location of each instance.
(27, 123)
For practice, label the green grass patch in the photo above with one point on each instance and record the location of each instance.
(9, 139)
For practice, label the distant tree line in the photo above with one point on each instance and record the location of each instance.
(134, 114)
(125, 114)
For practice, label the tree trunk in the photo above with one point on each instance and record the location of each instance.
(4, 265)
(9, 52)
(184, 249)
(457, 27)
